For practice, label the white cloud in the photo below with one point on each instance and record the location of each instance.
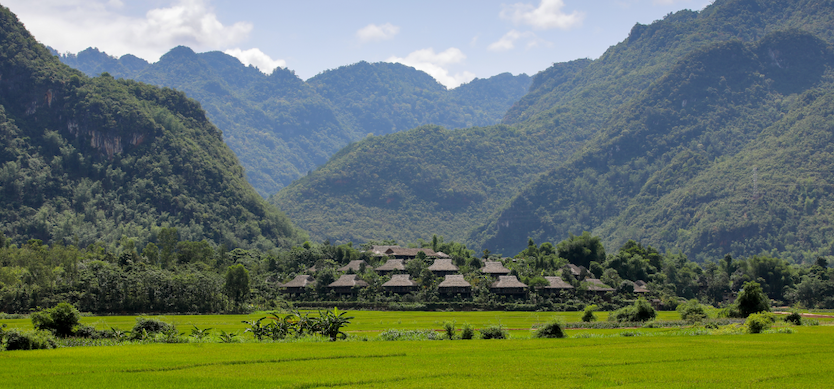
(547, 15)
(437, 64)
(73, 25)
(257, 58)
(508, 41)
(373, 32)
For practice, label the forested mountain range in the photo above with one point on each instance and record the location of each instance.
(573, 111)
(99, 160)
(281, 127)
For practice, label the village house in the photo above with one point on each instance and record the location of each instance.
(555, 285)
(455, 284)
(347, 284)
(597, 286)
(403, 253)
(443, 267)
(400, 284)
(494, 268)
(298, 284)
(391, 266)
(508, 285)
(355, 266)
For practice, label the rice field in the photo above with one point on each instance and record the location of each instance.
(646, 358)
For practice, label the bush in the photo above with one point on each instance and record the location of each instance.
(60, 320)
(752, 299)
(692, 311)
(89, 332)
(494, 332)
(550, 330)
(467, 332)
(146, 326)
(394, 335)
(794, 318)
(19, 340)
(449, 329)
(589, 316)
(758, 322)
(640, 311)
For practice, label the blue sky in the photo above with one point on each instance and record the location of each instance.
(453, 40)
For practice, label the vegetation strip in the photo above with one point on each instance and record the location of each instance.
(260, 361)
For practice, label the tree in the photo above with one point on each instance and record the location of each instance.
(60, 320)
(581, 250)
(237, 283)
(752, 299)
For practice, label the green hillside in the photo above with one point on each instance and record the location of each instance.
(90, 160)
(675, 167)
(281, 127)
(568, 104)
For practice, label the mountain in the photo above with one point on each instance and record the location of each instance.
(570, 106)
(91, 160)
(728, 152)
(281, 127)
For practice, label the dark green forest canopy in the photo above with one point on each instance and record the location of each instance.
(417, 174)
(89, 160)
(281, 127)
(728, 152)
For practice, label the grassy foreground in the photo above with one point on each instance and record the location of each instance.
(765, 360)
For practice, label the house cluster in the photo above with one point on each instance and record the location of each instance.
(452, 284)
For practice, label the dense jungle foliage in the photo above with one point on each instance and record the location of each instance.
(727, 153)
(173, 275)
(281, 127)
(93, 160)
(579, 106)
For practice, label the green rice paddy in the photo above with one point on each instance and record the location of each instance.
(602, 359)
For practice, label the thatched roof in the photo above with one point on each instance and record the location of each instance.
(494, 267)
(597, 285)
(441, 254)
(640, 286)
(397, 251)
(508, 282)
(576, 271)
(557, 283)
(441, 264)
(400, 280)
(454, 281)
(312, 269)
(380, 250)
(300, 281)
(348, 280)
(353, 265)
(391, 265)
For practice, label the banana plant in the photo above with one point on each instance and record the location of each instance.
(331, 323)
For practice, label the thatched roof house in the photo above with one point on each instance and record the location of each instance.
(640, 286)
(390, 266)
(455, 284)
(400, 283)
(576, 271)
(441, 254)
(494, 268)
(347, 283)
(443, 266)
(508, 285)
(298, 284)
(400, 252)
(555, 285)
(596, 285)
(353, 265)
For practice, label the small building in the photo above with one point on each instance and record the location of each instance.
(443, 267)
(508, 285)
(391, 266)
(494, 268)
(356, 266)
(347, 284)
(577, 271)
(556, 285)
(454, 284)
(400, 283)
(398, 252)
(441, 254)
(596, 285)
(298, 284)
(641, 287)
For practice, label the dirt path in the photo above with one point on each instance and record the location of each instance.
(811, 315)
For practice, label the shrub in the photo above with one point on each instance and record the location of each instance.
(794, 318)
(758, 322)
(467, 332)
(752, 299)
(146, 326)
(494, 332)
(641, 310)
(89, 332)
(552, 329)
(589, 316)
(449, 329)
(60, 320)
(692, 311)
(394, 335)
(19, 340)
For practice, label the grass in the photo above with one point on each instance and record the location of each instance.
(764, 360)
